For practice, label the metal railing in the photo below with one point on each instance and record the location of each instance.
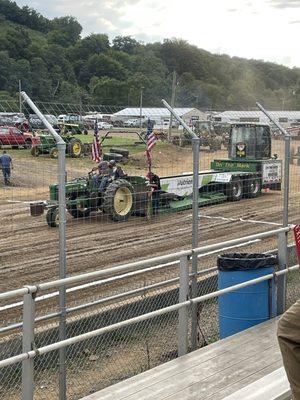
(30, 353)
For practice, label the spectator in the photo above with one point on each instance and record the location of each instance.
(289, 342)
(6, 165)
(156, 191)
(116, 170)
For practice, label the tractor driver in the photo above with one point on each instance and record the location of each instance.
(100, 180)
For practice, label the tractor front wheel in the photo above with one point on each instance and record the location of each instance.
(75, 148)
(118, 200)
(52, 217)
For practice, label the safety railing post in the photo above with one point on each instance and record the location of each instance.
(282, 264)
(183, 312)
(27, 345)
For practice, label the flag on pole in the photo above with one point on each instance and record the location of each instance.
(151, 138)
(297, 240)
(96, 149)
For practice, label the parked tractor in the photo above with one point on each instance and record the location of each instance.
(248, 169)
(208, 137)
(45, 143)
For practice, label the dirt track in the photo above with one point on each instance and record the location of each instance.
(29, 251)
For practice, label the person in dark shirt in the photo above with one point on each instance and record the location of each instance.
(156, 190)
(288, 333)
(6, 166)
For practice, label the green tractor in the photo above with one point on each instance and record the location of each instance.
(208, 136)
(122, 198)
(72, 128)
(249, 168)
(45, 143)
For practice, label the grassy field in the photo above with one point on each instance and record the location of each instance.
(131, 143)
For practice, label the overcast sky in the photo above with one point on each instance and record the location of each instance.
(261, 29)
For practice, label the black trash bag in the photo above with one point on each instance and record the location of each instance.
(245, 261)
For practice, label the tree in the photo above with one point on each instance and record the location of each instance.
(108, 91)
(69, 28)
(92, 44)
(126, 44)
(103, 65)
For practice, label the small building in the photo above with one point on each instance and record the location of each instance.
(282, 117)
(161, 116)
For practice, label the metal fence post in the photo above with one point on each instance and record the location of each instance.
(195, 240)
(61, 145)
(183, 312)
(62, 267)
(287, 150)
(196, 147)
(27, 345)
(281, 280)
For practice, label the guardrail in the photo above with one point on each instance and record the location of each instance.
(29, 353)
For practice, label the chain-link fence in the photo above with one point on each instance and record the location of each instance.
(131, 217)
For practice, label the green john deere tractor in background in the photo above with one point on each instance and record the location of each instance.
(249, 168)
(208, 136)
(45, 144)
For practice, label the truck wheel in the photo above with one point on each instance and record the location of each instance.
(52, 217)
(35, 151)
(54, 153)
(118, 200)
(234, 190)
(75, 148)
(252, 188)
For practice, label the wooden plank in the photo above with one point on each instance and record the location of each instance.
(273, 386)
(195, 367)
(226, 391)
(225, 377)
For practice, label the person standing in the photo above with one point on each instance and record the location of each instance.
(288, 333)
(6, 165)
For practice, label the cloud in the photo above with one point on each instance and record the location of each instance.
(284, 3)
(95, 16)
(154, 20)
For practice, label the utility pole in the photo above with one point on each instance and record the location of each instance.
(172, 103)
(20, 96)
(141, 107)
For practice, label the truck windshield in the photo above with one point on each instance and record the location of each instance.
(256, 139)
(243, 134)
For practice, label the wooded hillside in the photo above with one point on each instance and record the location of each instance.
(54, 63)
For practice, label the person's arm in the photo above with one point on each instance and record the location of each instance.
(11, 163)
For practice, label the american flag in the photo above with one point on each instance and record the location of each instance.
(96, 149)
(151, 138)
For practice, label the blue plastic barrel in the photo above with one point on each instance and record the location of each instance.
(249, 306)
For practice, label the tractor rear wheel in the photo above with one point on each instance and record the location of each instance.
(118, 200)
(234, 190)
(252, 188)
(52, 217)
(75, 148)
